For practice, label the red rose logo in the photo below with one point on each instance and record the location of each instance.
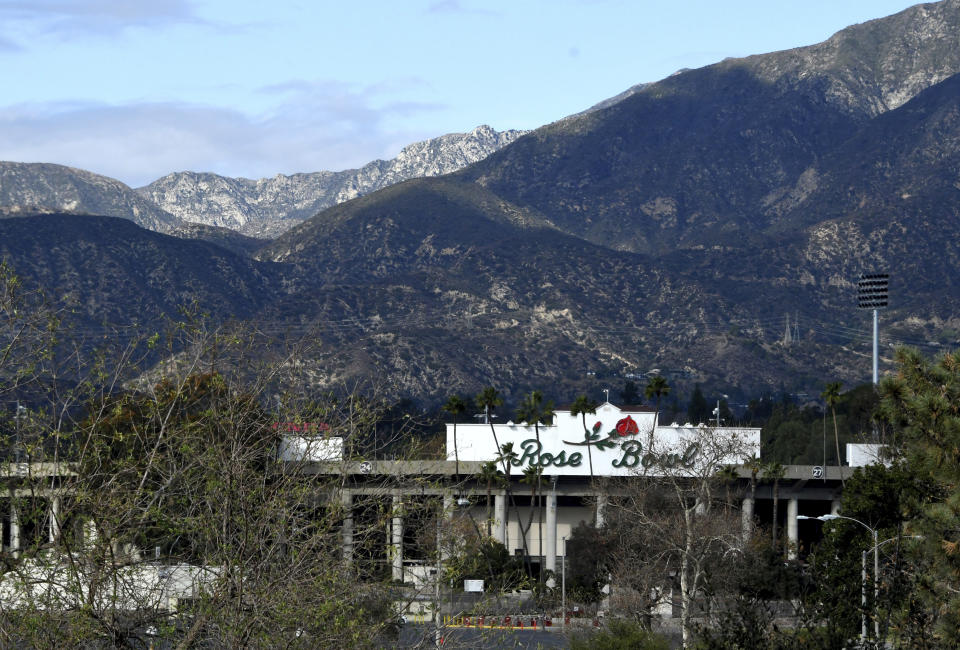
(596, 427)
(627, 427)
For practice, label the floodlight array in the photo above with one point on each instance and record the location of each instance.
(872, 290)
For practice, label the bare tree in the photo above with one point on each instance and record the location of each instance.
(167, 505)
(670, 528)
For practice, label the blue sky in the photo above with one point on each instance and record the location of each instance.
(136, 89)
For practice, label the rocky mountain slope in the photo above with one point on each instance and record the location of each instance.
(757, 188)
(693, 160)
(267, 207)
(43, 187)
(675, 229)
(108, 271)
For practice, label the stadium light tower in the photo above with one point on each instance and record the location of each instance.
(872, 293)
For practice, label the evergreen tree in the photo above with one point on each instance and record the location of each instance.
(699, 410)
(922, 403)
(630, 393)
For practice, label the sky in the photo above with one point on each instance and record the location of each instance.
(136, 89)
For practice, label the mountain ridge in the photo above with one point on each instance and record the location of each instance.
(267, 207)
(676, 229)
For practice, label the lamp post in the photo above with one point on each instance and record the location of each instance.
(437, 625)
(863, 572)
(563, 587)
(863, 555)
(716, 411)
(437, 633)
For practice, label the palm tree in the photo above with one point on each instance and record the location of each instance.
(455, 406)
(531, 476)
(831, 394)
(657, 387)
(755, 466)
(490, 475)
(489, 399)
(581, 406)
(729, 475)
(533, 410)
(507, 457)
(774, 471)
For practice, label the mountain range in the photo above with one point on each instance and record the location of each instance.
(710, 226)
(261, 209)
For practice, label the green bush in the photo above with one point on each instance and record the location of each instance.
(619, 635)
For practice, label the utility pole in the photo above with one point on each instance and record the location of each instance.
(716, 411)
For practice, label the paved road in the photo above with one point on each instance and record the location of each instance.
(421, 636)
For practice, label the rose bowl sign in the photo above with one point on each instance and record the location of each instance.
(617, 442)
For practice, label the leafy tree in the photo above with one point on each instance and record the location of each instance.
(141, 485)
(470, 557)
(745, 617)
(587, 562)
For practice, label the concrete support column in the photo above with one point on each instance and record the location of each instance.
(835, 507)
(14, 529)
(54, 521)
(500, 518)
(89, 533)
(396, 546)
(447, 516)
(601, 506)
(550, 543)
(746, 515)
(793, 536)
(346, 531)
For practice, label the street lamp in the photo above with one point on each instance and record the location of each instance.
(437, 625)
(863, 560)
(863, 572)
(563, 587)
(716, 411)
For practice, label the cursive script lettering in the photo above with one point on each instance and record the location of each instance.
(632, 457)
(533, 455)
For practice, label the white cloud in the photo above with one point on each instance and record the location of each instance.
(21, 19)
(456, 7)
(314, 126)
